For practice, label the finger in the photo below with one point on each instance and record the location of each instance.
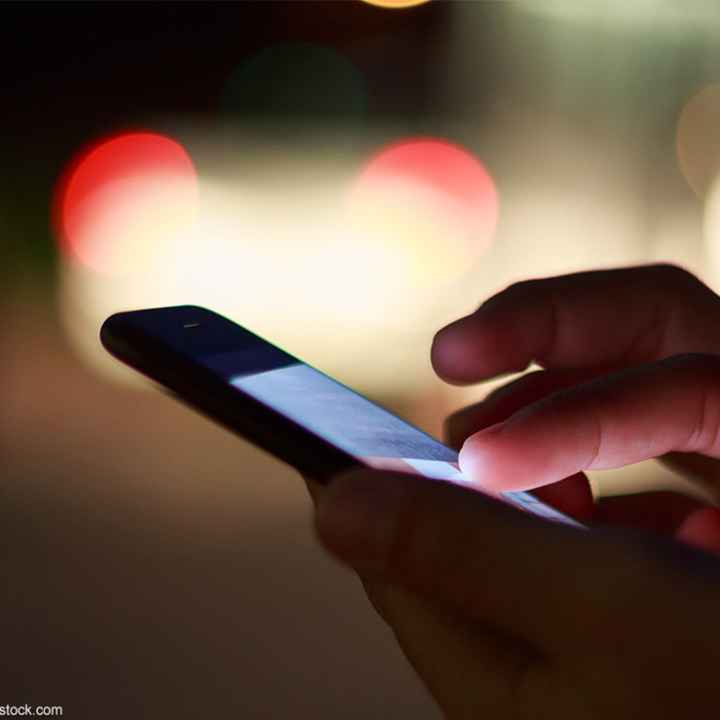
(572, 496)
(572, 321)
(472, 555)
(504, 401)
(634, 415)
(687, 519)
(701, 529)
(661, 512)
(507, 399)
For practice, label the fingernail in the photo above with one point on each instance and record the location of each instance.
(356, 516)
(453, 332)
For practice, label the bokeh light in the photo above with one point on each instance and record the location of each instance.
(276, 256)
(119, 202)
(296, 83)
(620, 13)
(398, 4)
(711, 232)
(429, 202)
(698, 139)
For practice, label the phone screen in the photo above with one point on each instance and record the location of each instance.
(347, 419)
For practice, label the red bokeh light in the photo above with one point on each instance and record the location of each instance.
(95, 188)
(444, 168)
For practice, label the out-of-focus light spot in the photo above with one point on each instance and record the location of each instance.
(428, 202)
(396, 3)
(698, 139)
(639, 14)
(711, 233)
(296, 83)
(554, 230)
(122, 200)
(278, 262)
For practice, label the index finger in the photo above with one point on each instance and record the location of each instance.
(607, 317)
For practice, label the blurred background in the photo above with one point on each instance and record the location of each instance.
(344, 178)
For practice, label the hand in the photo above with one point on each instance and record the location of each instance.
(502, 612)
(506, 616)
(630, 373)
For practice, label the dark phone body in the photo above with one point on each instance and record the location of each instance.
(284, 406)
(165, 343)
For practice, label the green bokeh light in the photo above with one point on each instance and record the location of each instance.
(298, 84)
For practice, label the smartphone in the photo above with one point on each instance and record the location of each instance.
(288, 408)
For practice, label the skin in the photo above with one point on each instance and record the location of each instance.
(505, 615)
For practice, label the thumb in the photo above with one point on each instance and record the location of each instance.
(701, 529)
(472, 554)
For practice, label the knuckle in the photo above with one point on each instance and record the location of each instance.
(681, 282)
(674, 275)
(524, 287)
(700, 378)
(515, 291)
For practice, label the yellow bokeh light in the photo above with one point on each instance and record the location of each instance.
(638, 14)
(711, 232)
(284, 264)
(423, 234)
(350, 270)
(130, 221)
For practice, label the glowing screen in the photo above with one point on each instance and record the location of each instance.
(348, 420)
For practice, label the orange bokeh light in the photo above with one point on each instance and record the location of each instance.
(122, 196)
(397, 4)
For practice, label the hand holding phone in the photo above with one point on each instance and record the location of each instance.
(507, 617)
(503, 615)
